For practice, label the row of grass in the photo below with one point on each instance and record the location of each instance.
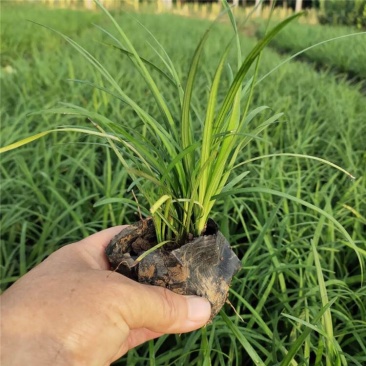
(294, 260)
(345, 55)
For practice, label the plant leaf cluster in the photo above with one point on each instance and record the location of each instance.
(179, 169)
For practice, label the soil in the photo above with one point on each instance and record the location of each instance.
(203, 266)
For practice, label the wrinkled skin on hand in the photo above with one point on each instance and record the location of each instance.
(72, 310)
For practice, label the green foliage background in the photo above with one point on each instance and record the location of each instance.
(292, 256)
(344, 12)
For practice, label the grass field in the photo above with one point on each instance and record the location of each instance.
(288, 222)
(346, 55)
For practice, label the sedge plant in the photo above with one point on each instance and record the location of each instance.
(181, 168)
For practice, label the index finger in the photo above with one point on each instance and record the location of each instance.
(93, 247)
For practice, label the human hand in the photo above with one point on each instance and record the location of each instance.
(72, 310)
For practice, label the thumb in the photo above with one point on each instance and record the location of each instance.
(163, 311)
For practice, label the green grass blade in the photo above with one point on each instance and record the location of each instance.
(25, 141)
(324, 161)
(361, 253)
(242, 340)
(186, 127)
(236, 32)
(145, 61)
(327, 317)
(166, 60)
(208, 128)
(301, 339)
(255, 52)
(142, 68)
(122, 201)
(307, 49)
(163, 134)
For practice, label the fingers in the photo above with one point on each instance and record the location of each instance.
(101, 239)
(168, 312)
(92, 248)
(140, 306)
(87, 253)
(139, 336)
(153, 308)
(162, 311)
(135, 338)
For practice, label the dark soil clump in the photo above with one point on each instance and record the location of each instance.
(203, 266)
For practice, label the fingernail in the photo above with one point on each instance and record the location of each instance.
(199, 309)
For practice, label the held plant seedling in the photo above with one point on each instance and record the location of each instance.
(181, 167)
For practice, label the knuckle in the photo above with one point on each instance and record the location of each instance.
(170, 306)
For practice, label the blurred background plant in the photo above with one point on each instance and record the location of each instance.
(343, 12)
